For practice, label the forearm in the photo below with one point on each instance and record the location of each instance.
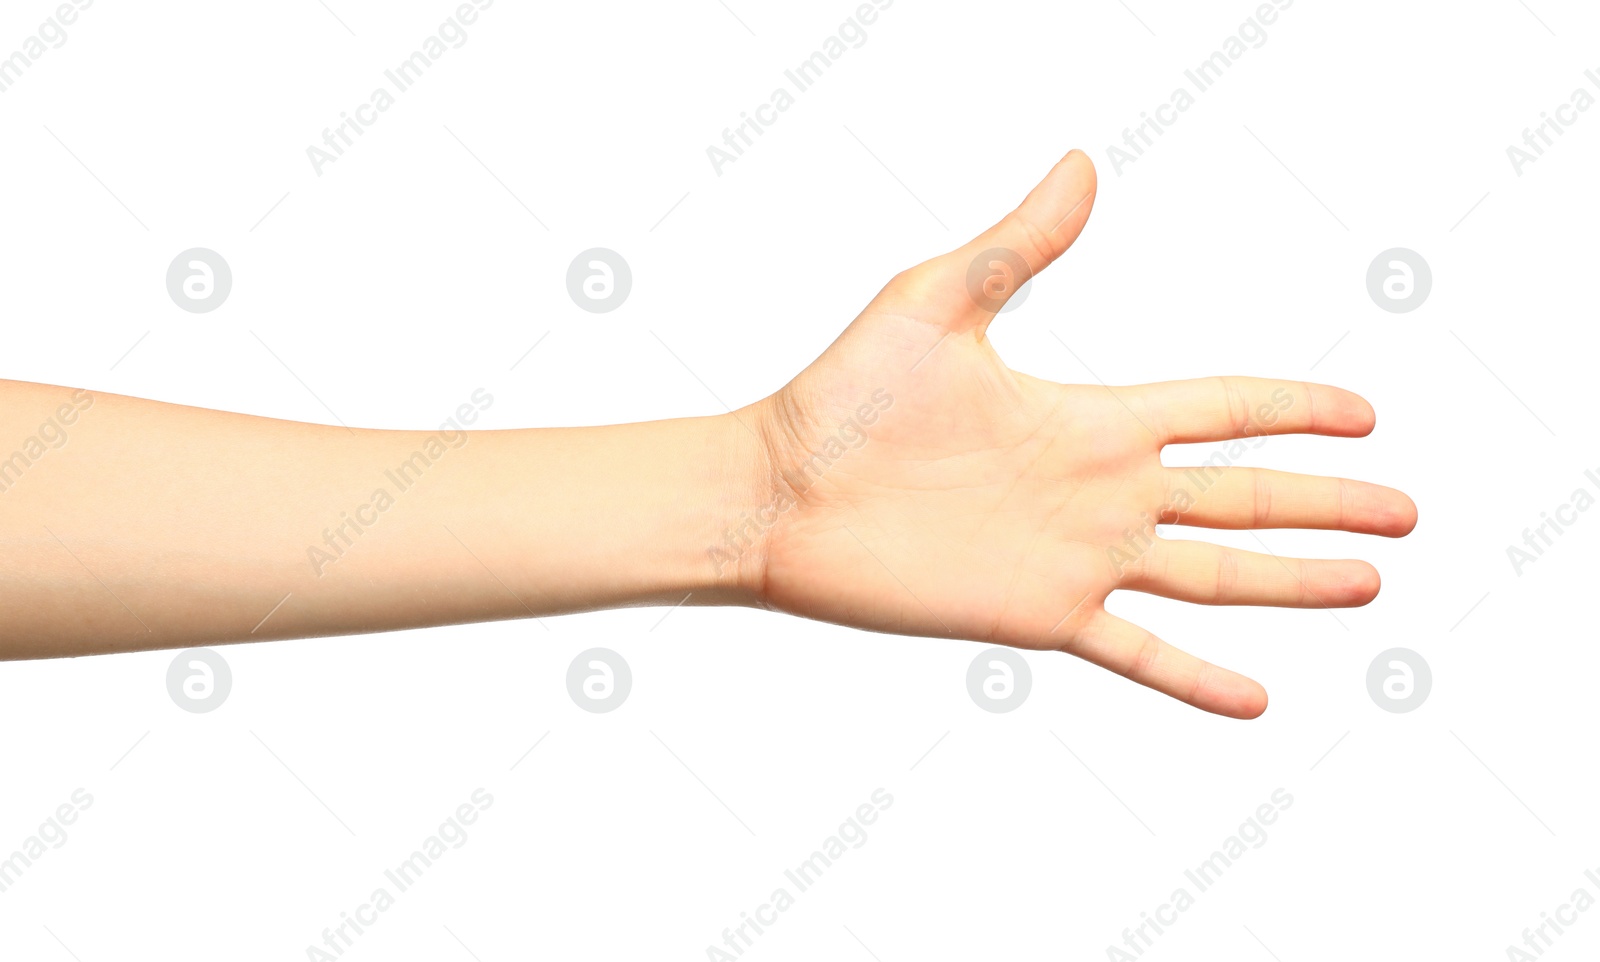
(142, 525)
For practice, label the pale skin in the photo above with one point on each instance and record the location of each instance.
(953, 497)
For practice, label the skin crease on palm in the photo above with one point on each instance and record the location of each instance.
(983, 503)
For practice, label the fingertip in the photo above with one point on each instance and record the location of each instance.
(1254, 707)
(1228, 693)
(1388, 512)
(1261, 708)
(1369, 416)
(1359, 414)
(1345, 583)
(1363, 585)
(997, 263)
(1405, 520)
(1081, 180)
(1336, 412)
(1083, 165)
(1238, 697)
(1059, 206)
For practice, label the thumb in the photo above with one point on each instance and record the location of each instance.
(1025, 241)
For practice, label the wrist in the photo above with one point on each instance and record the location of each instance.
(583, 518)
(682, 510)
(735, 499)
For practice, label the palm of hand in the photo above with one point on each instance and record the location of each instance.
(922, 487)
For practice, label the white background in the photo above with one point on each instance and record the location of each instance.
(406, 276)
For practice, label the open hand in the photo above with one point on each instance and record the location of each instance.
(917, 485)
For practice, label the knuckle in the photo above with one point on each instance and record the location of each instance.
(1227, 578)
(1037, 245)
(1260, 500)
(1145, 657)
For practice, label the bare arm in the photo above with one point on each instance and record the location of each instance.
(906, 481)
(133, 524)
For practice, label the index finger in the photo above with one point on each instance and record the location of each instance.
(1225, 408)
